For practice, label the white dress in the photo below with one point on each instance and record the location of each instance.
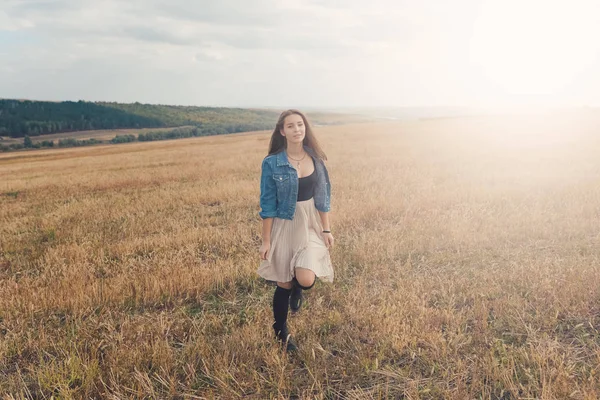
(297, 244)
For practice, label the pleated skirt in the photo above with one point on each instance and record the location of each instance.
(297, 244)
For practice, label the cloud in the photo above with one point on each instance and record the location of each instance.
(10, 23)
(328, 47)
(209, 55)
(258, 24)
(235, 52)
(223, 13)
(154, 34)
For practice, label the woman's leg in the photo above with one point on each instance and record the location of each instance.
(285, 285)
(305, 277)
(304, 280)
(281, 301)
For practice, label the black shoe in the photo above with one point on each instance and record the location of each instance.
(285, 339)
(296, 297)
(290, 345)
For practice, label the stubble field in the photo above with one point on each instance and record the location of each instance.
(467, 265)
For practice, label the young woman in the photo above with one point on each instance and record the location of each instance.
(295, 195)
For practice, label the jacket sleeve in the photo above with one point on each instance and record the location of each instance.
(268, 192)
(328, 183)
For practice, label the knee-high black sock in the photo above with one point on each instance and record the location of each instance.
(281, 303)
(305, 287)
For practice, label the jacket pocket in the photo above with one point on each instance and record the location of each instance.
(283, 184)
(280, 178)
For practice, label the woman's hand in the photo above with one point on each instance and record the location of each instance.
(264, 250)
(328, 239)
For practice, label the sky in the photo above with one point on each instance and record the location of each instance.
(299, 53)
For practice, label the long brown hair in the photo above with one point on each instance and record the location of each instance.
(278, 141)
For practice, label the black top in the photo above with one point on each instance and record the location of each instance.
(306, 186)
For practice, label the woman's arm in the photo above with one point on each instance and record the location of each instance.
(327, 237)
(267, 223)
(268, 192)
(268, 205)
(325, 220)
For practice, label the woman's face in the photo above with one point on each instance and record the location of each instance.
(293, 129)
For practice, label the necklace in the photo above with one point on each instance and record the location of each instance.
(297, 161)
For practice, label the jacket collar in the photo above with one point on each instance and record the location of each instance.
(282, 158)
(310, 152)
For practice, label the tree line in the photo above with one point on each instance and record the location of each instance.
(177, 133)
(34, 118)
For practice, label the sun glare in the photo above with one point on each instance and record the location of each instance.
(534, 47)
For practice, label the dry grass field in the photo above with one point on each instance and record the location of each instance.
(467, 264)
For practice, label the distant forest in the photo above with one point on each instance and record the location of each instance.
(20, 118)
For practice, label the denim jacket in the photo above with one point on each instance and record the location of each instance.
(279, 186)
